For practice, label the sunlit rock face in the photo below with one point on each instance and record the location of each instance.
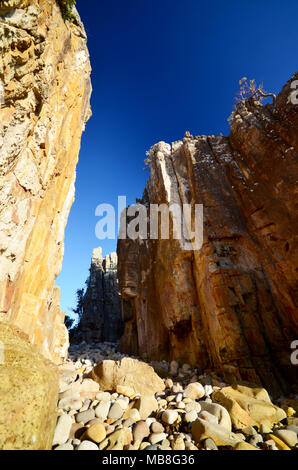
(101, 317)
(231, 305)
(45, 74)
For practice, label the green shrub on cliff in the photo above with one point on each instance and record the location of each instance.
(66, 9)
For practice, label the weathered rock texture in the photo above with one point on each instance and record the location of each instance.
(232, 305)
(101, 318)
(28, 393)
(45, 71)
(128, 374)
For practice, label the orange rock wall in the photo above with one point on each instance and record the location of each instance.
(45, 72)
(232, 305)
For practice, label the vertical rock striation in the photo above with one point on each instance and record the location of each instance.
(232, 305)
(101, 318)
(45, 74)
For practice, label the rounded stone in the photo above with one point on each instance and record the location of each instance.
(289, 437)
(193, 405)
(194, 390)
(157, 427)
(169, 416)
(190, 416)
(62, 430)
(85, 416)
(102, 410)
(96, 433)
(87, 445)
(140, 431)
(178, 444)
(157, 437)
(103, 396)
(115, 412)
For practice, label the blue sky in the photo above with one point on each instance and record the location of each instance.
(159, 68)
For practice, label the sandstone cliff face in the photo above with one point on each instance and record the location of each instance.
(232, 305)
(45, 73)
(101, 319)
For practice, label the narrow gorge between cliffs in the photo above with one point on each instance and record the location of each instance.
(177, 346)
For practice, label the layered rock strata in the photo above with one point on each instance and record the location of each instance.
(101, 318)
(231, 305)
(45, 83)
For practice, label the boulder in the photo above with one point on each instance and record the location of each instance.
(202, 430)
(249, 406)
(220, 412)
(132, 373)
(28, 394)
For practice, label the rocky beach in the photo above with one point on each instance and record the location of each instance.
(108, 401)
(179, 341)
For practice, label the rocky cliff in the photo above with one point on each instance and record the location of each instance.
(101, 316)
(231, 305)
(45, 77)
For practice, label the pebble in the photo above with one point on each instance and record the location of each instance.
(140, 431)
(169, 383)
(62, 430)
(85, 416)
(103, 396)
(169, 416)
(292, 427)
(95, 433)
(121, 419)
(287, 436)
(157, 437)
(190, 416)
(178, 444)
(70, 403)
(146, 405)
(102, 410)
(194, 390)
(157, 427)
(193, 405)
(87, 445)
(116, 411)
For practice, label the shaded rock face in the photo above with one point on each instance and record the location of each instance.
(232, 305)
(45, 74)
(101, 319)
(28, 393)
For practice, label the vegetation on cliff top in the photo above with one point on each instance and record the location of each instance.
(67, 9)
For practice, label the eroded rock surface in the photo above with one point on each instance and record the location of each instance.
(101, 318)
(28, 393)
(45, 72)
(231, 305)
